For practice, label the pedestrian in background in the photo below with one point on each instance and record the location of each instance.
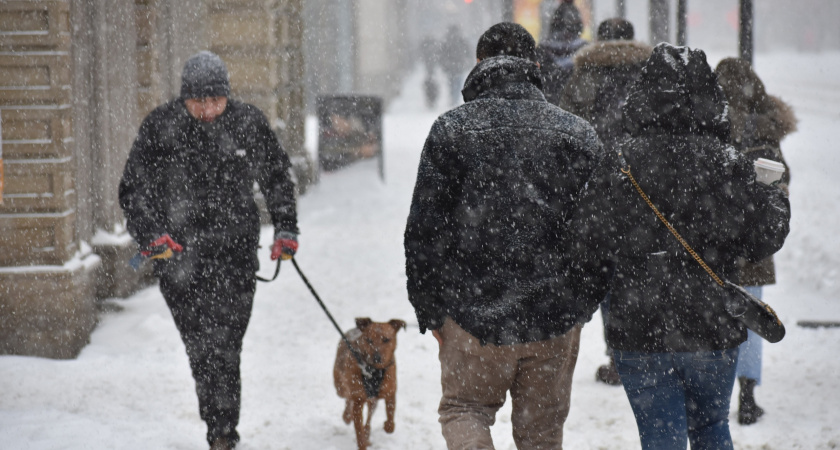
(759, 123)
(486, 248)
(675, 346)
(454, 60)
(555, 52)
(188, 197)
(603, 73)
(429, 50)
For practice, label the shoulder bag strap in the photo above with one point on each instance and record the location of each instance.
(667, 224)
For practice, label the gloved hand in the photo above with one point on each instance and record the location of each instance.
(285, 245)
(161, 248)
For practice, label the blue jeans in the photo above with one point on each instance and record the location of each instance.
(749, 353)
(680, 396)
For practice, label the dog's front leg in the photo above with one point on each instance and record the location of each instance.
(390, 409)
(371, 402)
(359, 424)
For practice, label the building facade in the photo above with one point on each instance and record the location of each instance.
(76, 79)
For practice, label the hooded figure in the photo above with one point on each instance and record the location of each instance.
(485, 246)
(555, 52)
(759, 123)
(668, 326)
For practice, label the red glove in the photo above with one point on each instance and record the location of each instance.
(162, 247)
(285, 246)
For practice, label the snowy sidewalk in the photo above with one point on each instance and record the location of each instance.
(131, 387)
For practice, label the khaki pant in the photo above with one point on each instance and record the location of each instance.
(476, 378)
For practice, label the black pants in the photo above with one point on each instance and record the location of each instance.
(211, 304)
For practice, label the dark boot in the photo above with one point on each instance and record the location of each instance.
(222, 443)
(748, 411)
(608, 374)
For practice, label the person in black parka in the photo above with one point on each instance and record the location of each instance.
(674, 345)
(603, 73)
(556, 51)
(187, 192)
(485, 246)
(429, 54)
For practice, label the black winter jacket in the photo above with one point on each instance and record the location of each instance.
(596, 91)
(498, 177)
(662, 300)
(555, 55)
(195, 181)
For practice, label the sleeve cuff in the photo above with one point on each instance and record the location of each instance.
(285, 235)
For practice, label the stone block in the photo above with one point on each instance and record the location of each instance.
(37, 238)
(39, 186)
(47, 311)
(38, 132)
(145, 18)
(241, 29)
(35, 25)
(35, 78)
(115, 277)
(251, 74)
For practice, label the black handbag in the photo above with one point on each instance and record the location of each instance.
(740, 304)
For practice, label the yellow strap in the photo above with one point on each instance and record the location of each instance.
(165, 255)
(671, 228)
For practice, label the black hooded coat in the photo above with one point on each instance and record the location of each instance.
(661, 299)
(485, 238)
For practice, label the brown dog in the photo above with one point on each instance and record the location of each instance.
(375, 378)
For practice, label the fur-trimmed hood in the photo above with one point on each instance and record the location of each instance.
(754, 115)
(612, 53)
(773, 124)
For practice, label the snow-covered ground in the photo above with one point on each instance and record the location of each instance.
(131, 387)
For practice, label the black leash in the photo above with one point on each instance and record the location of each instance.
(368, 372)
(276, 272)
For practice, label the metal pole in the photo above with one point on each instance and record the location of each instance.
(507, 10)
(620, 9)
(659, 21)
(682, 12)
(745, 36)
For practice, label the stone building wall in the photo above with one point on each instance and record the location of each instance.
(76, 79)
(47, 279)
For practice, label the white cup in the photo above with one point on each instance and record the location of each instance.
(768, 171)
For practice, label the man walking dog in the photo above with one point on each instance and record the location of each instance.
(188, 196)
(485, 248)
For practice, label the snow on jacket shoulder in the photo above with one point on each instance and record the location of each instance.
(661, 299)
(485, 238)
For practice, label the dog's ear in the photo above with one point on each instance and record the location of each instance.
(397, 324)
(363, 322)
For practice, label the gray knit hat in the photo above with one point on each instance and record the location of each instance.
(205, 75)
